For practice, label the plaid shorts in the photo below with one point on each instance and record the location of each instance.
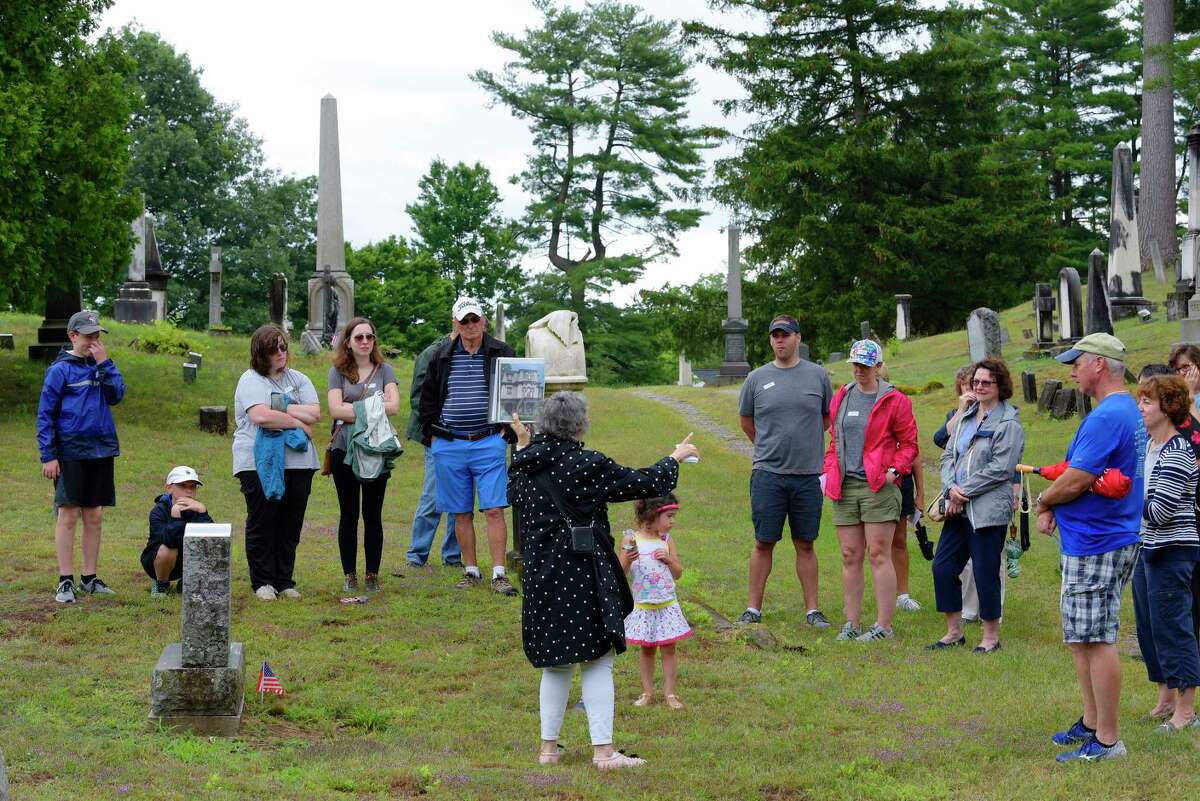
(1091, 594)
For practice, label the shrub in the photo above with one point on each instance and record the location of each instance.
(162, 337)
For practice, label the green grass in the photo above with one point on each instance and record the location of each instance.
(425, 691)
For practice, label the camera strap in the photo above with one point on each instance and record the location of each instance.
(542, 479)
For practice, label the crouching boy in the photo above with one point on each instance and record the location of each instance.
(162, 557)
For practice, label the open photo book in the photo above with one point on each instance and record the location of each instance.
(518, 385)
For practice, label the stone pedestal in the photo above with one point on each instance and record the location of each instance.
(135, 303)
(1190, 326)
(189, 372)
(199, 682)
(52, 334)
(1177, 301)
(734, 367)
(214, 419)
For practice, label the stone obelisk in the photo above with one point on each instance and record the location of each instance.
(1124, 253)
(734, 367)
(331, 241)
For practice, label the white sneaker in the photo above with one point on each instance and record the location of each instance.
(266, 593)
(907, 604)
(290, 592)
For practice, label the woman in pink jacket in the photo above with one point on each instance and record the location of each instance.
(874, 443)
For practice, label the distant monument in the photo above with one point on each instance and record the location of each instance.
(1124, 253)
(199, 682)
(215, 270)
(903, 317)
(1043, 316)
(983, 335)
(135, 301)
(278, 301)
(498, 322)
(1070, 307)
(734, 367)
(556, 338)
(1189, 258)
(1099, 314)
(156, 276)
(331, 243)
(52, 334)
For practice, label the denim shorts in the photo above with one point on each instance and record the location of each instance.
(775, 497)
(464, 468)
(1090, 599)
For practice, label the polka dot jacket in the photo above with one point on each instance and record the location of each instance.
(573, 606)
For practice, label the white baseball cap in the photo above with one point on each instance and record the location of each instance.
(466, 305)
(183, 473)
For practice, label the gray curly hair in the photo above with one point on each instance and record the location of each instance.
(564, 416)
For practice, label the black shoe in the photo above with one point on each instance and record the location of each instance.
(749, 618)
(942, 644)
(979, 649)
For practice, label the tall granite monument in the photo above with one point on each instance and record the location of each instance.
(1189, 259)
(215, 270)
(331, 242)
(52, 333)
(199, 682)
(734, 366)
(1124, 253)
(135, 301)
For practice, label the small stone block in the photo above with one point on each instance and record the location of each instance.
(196, 358)
(198, 725)
(1083, 403)
(207, 591)
(214, 419)
(1029, 386)
(1027, 333)
(189, 373)
(7, 342)
(182, 691)
(1049, 389)
(1064, 404)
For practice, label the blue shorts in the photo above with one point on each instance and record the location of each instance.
(464, 467)
(775, 497)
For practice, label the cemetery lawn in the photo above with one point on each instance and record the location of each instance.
(425, 691)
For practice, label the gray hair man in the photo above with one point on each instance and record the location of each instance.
(1099, 540)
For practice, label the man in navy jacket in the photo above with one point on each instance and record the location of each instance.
(78, 441)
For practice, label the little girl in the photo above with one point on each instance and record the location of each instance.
(656, 621)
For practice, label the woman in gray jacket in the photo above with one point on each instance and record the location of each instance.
(977, 468)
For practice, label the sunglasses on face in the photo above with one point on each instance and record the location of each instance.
(470, 320)
(364, 337)
(280, 348)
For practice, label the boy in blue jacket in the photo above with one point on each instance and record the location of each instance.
(78, 441)
(162, 558)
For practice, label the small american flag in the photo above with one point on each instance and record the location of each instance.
(268, 682)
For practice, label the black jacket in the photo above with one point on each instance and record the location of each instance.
(167, 530)
(573, 607)
(437, 382)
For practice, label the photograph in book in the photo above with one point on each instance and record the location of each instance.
(518, 385)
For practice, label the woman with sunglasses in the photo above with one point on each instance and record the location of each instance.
(358, 372)
(985, 444)
(274, 409)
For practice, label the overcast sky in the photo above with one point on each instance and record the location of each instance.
(400, 72)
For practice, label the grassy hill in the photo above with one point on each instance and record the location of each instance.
(425, 691)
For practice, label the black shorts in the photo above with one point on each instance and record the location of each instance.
(775, 497)
(85, 482)
(908, 499)
(148, 555)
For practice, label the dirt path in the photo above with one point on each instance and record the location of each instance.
(734, 440)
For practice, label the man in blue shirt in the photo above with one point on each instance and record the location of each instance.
(469, 453)
(1099, 540)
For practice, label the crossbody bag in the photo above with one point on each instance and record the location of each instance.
(583, 538)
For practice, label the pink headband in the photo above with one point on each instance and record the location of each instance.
(668, 508)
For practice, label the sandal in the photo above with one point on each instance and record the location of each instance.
(619, 759)
(674, 702)
(545, 758)
(1150, 716)
(645, 699)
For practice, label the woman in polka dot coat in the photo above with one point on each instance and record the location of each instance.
(574, 605)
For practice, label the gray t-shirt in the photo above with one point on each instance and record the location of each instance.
(788, 405)
(253, 389)
(383, 376)
(854, 429)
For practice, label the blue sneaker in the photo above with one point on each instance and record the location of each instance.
(1078, 733)
(1092, 751)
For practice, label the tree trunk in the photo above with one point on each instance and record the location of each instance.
(1156, 199)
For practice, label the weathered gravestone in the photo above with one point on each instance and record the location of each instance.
(1043, 315)
(1124, 252)
(1190, 325)
(52, 334)
(196, 358)
(1064, 404)
(1029, 386)
(1099, 314)
(198, 682)
(214, 419)
(1070, 306)
(1189, 264)
(277, 300)
(903, 317)
(1050, 389)
(1083, 403)
(803, 351)
(983, 335)
(557, 340)
(685, 371)
(189, 372)
(215, 270)
(7, 342)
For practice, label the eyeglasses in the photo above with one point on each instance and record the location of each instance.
(364, 337)
(979, 382)
(1184, 369)
(470, 319)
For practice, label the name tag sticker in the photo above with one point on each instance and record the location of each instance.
(768, 385)
(852, 414)
(371, 385)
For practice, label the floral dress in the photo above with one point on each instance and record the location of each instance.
(656, 618)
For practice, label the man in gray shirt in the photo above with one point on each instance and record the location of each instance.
(784, 409)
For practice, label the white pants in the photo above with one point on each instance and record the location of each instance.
(970, 595)
(598, 697)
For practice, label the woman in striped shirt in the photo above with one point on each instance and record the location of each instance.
(1162, 577)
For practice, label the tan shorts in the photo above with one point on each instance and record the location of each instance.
(860, 505)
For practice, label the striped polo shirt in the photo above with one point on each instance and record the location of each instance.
(466, 408)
